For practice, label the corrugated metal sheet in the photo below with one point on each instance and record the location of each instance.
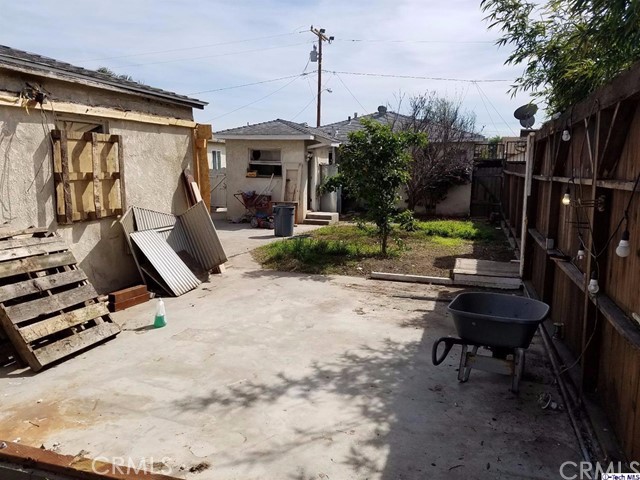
(205, 245)
(150, 219)
(169, 266)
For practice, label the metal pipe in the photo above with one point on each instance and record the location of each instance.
(563, 392)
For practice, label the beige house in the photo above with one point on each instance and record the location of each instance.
(78, 147)
(278, 158)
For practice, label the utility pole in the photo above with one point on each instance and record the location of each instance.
(320, 33)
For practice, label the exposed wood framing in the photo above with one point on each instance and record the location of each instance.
(10, 99)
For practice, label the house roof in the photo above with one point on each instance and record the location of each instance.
(19, 60)
(276, 129)
(341, 130)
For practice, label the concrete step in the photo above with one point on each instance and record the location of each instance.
(312, 221)
(330, 216)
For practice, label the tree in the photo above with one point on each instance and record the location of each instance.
(374, 164)
(569, 47)
(443, 161)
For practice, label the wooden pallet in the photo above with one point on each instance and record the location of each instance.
(48, 308)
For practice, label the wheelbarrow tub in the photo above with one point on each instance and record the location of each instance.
(496, 319)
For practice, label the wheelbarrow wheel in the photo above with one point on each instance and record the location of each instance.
(254, 222)
(518, 369)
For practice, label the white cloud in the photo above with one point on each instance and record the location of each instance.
(69, 31)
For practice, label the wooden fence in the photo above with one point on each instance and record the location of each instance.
(599, 167)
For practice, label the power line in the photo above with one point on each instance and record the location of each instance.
(249, 84)
(486, 108)
(214, 56)
(324, 87)
(372, 40)
(190, 48)
(417, 77)
(364, 110)
(496, 110)
(256, 101)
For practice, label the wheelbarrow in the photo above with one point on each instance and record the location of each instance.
(503, 324)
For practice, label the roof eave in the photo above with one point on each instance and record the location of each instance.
(240, 136)
(60, 74)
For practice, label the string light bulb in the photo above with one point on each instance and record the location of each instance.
(623, 250)
(593, 286)
(566, 198)
(566, 135)
(581, 252)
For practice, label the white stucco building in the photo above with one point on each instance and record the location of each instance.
(279, 158)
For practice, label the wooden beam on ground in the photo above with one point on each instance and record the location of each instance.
(400, 277)
(48, 463)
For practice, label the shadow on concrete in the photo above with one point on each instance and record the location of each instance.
(419, 421)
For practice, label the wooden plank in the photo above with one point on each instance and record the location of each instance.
(54, 465)
(74, 343)
(121, 172)
(471, 266)
(486, 281)
(131, 302)
(9, 232)
(87, 176)
(32, 250)
(400, 277)
(63, 321)
(127, 293)
(97, 188)
(42, 306)
(66, 188)
(103, 112)
(39, 284)
(34, 264)
(27, 241)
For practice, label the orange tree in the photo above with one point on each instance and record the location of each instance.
(373, 166)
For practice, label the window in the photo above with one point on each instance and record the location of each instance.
(88, 173)
(215, 160)
(264, 163)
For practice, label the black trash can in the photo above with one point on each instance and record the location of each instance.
(284, 220)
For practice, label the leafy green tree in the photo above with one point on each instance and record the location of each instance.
(569, 48)
(374, 165)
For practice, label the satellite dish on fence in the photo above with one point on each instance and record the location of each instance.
(528, 122)
(525, 114)
(526, 111)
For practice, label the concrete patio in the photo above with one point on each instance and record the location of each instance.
(266, 375)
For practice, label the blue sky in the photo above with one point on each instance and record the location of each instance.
(196, 46)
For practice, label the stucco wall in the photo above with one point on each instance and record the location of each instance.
(456, 203)
(293, 152)
(154, 158)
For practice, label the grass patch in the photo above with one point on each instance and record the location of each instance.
(317, 255)
(352, 250)
(463, 229)
(446, 241)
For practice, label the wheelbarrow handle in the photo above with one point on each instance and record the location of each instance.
(449, 342)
